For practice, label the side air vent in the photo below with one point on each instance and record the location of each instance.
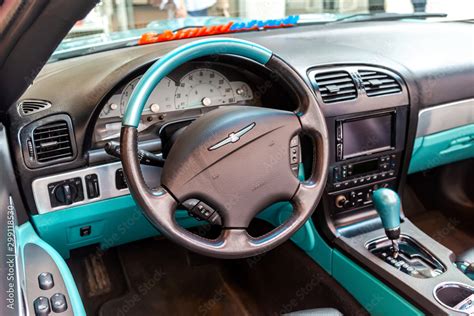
(27, 107)
(335, 86)
(378, 83)
(52, 141)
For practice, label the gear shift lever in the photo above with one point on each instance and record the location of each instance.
(387, 204)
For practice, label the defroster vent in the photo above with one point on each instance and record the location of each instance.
(27, 107)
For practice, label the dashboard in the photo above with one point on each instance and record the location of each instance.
(91, 92)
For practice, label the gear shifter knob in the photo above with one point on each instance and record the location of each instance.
(387, 204)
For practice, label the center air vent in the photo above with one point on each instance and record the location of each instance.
(27, 107)
(52, 142)
(378, 83)
(335, 86)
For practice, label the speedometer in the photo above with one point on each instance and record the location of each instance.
(203, 87)
(160, 100)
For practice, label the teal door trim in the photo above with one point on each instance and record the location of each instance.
(27, 235)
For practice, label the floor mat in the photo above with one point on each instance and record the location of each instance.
(165, 279)
(97, 282)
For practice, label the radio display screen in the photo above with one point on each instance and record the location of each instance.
(365, 167)
(366, 136)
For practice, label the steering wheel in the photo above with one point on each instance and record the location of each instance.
(234, 160)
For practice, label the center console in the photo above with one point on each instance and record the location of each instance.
(368, 124)
(367, 154)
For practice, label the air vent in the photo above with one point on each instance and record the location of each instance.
(378, 83)
(28, 107)
(52, 141)
(335, 86)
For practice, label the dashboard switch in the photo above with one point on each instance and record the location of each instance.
(41, 305)
(92, 186)
(45, 281)
(120, 182)
(66, 192)
(58, 303)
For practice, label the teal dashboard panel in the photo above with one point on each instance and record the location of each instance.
(442, 148)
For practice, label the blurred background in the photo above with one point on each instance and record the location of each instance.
(122, 15)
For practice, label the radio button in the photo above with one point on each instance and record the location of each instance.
(337, 174)
(339, 151)
(339, 133)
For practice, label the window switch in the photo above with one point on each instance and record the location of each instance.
(41, 305)
(45, 281)
(58, 303)
(85, 231)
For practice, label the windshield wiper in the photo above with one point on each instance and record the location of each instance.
(362, 17)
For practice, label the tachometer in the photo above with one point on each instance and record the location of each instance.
(160, 100)
(203, 87)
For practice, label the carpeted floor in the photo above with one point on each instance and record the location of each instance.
(448, 231)
(159, 277)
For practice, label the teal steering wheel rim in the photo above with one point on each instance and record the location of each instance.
(180, 55)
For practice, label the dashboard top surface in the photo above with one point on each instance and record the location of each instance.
(428, 53)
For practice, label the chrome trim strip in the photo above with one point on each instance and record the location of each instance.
(106, 176)
(453, 284)
(445, 116)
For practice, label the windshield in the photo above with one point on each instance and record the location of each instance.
(114, 24)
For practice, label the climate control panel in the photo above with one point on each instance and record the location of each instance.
(348, 175)
(357, 197)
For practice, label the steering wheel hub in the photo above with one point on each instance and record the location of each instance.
(236, 159)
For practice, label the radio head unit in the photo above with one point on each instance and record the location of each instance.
(365, 135)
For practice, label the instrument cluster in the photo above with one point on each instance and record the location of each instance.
(200, 87)
(187, 92)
